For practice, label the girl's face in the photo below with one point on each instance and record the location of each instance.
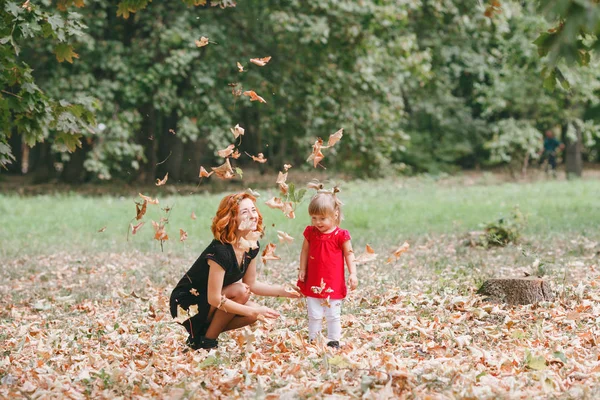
(247, 218)
(324, 223)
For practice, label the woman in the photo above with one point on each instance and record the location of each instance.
(222, 278)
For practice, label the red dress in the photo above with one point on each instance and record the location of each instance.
(325, 265)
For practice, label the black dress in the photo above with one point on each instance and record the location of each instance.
(196, 278)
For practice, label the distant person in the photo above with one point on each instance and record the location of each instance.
(222, 279)
(549, 152)
(321, 277)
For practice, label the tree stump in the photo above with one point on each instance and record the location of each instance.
(514, 291)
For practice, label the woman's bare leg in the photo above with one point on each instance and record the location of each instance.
(240, 321)
(221, 320)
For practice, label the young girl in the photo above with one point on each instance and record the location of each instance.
(321, 276)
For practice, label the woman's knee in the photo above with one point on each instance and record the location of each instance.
(238, 292)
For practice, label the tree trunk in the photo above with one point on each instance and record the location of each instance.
(573, 160)
(514, 291)
(43, 163)
(147, 137)
(196, 154)
(73, 171)
(170, 151)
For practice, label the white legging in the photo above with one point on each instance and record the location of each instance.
(316, 311)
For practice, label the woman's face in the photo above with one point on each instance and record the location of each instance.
(247, 218)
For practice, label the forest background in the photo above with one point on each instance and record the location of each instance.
(418, 86)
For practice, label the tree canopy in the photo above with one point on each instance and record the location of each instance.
(147, 88)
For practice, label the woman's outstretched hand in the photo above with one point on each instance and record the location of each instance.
(263, 312)
(291, 291)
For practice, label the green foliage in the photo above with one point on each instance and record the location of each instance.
(505, 230)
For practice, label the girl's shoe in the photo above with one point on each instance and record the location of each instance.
(202, 343)
(334, 344)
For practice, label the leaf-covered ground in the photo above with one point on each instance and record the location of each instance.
(97, 326)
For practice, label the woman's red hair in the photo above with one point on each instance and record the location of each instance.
(224, 225)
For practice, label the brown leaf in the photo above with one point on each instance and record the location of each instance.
(224, 171)
(202, 42)
(284, 237)
(240, 67)
(275, 203)
(140, 209)
(102, 229)
(237, 131)
(333, 139)
(204, 173)
(182, 235)
(193, 215)
(259, 159)
(164, 180)
(286, 167)
(226, 152)
(268, 253)
(148, 199)
(253, 96)
(316, 156)
(398, 252)
(159, 231)
(135, 228)
(261, 62)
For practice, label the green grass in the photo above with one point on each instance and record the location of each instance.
(381, 212)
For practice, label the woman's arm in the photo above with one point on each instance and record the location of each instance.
(264, 289)
(349, 257)
(216, 275)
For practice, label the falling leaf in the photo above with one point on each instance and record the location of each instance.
(253, 192)
(268, 253)
(202, 42)
(398, 252)
(102, 229)
(261, 62)
(240, 67)
(284, 188)
(259, 159)
(292, 288)
(288, 209)
(235, 155)
(182, 235)
(333, 139)
(284, 237)
(316, 156)
(368, 256)
(140, 209)
(286, 167)
(224, 171)
(193, 215)
(237, 131)
(164, 180)
(250, 241)
(148, 199)
(135, 228)
(253, 96)
(204, 173)
(318, 289)
(226, 152)
(194, 292)
(275, 203)
(171, 131)
(281, 177)
(159, 231)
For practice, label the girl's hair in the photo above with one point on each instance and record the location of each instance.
(326, 203)
(224, 224)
